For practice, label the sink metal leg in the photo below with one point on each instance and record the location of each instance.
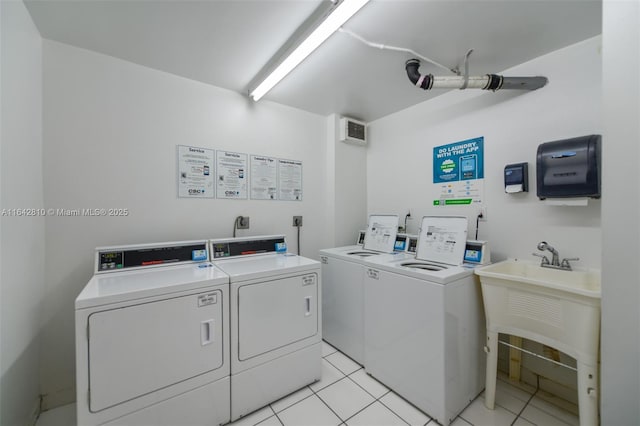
(587, 394)
(492, 369)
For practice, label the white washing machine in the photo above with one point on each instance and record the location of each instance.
(152, 340)
(343, 293)
(276, 327)
(424, 322)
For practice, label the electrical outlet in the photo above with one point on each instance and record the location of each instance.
(243, 222)
(483, 212)
(297, 221)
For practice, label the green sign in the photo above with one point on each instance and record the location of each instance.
(452, 202)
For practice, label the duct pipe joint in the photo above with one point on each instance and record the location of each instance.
(491, 82)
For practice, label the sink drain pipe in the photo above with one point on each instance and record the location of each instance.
(492, 82)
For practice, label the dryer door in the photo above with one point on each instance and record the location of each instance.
(138, 349)
(274, 314)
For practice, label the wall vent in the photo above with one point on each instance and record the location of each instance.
(353, 131)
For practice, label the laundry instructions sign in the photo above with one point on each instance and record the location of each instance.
(458, 171)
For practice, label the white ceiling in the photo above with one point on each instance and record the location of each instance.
(226, 43)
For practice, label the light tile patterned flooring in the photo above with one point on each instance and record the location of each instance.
(346, 395)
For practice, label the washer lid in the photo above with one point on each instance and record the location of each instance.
(381, 233)
(442, 239)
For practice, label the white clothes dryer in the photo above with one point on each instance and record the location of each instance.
(424, 322)
(276, 325)
(152, 340)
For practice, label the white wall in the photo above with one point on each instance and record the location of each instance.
(620, 340)
(347, 186)
(400, 156)
(22, 238)
(111, 129)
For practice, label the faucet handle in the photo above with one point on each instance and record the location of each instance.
(545, 259)
(565, 262)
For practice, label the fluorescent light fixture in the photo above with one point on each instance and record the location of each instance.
(337, 18)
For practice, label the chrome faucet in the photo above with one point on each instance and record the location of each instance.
(555, 259)
(543, 245)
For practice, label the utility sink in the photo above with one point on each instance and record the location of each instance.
(580, 282)
(558, 308)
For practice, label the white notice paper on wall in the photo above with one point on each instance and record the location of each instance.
(264, 176)
(232, 174)
(195, 172)
(290, 180)
(381, 233)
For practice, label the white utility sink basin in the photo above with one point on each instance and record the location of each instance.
(582, 282)
(555, 307)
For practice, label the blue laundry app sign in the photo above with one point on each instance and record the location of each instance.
(458, 172)
(459, 161)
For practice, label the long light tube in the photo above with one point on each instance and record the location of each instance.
(335, 20)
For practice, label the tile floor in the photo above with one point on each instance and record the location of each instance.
(346, 395)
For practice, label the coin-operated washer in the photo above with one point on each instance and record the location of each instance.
(152, 338)
(343, 292)
(424, 321)
(343, 277)
(276, 320)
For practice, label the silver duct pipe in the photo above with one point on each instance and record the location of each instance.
(486, 82)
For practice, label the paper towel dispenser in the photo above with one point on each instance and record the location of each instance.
(569, 168)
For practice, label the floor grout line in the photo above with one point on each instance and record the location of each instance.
(387, 407)
(528, 400)
(362, 387)
(541, 409)
(368, 405)
(351, 416)
(323, 401)
(338, 368)
(278, 417)
(523, 408)
(373, 396)
(289, 406)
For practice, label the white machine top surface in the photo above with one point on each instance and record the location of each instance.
(126, 285)
(341, 250)
(265, 265)
(391, 257)
(357, 252)
(352, 253)
(442, 239)
(430, 271)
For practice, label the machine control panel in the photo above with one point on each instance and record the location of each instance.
(401, 243)
(111, 259)
(477, 252)
(413, 244)
(221, 249)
